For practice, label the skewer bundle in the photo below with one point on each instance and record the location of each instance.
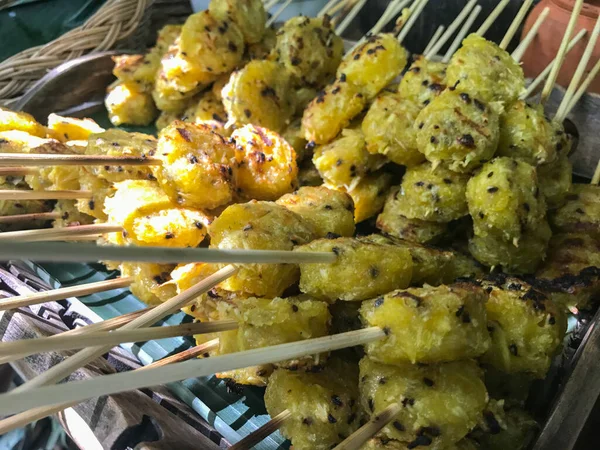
(423, 329)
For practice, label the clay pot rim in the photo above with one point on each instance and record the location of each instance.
(588, 10)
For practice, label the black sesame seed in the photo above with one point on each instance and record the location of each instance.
(490, 175)
(336, 400)
(374, 272)
(169, 235)
(398, 426)
(371, 404)
(294, 308)
(307, 421)
(433, 140)
(492, 189)
(193, 160)
(428, 381)
(513, 349)
(378, 302)
(467, 141)
(465, 98)
(422, 440)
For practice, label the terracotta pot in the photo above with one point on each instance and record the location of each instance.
(544, 47)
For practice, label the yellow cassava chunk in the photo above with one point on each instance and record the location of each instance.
(260, 226)
(20, 121)
(249, 15)
(369, 195)
(198, 166)
(54, 178)
(481, 68)
(569, 274)
(423, 81)
(429, 324)
(526, 134)
(504, 199)
(493, 251)
(15, 141)
(392, 222)
(389, 130)
(116, 142)
(69, 215)
(309, 49)
(331, 111)
(137, 69)
(149, 217)
(147, 280)
(165, 118)
(527, 328)
(362, 270)
(432, 194)
(259, 94)
(100, 189)
(263, 48)
(323, 405)
(345, 161)
(71, 129)
(328, 211)
(581, 212)
(441, 403)
(457, 130)
(555, 180)
(215, 44)
(267, 167)
(374, 64)
(11, 208)
(207, 111)
(126, 104)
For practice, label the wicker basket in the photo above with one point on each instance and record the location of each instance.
(130, 24)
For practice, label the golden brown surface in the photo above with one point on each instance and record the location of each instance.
(147, 280)
(423, 81)
(249, 15)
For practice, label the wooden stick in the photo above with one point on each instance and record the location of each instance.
(514, 26)
(522, 47)
(434, 38)
(194, 352)
(53, 234)
(43, 160)
(562, 52)
(74, 252)
(266, 430)
(337, 8)
(485, 26)
(596, 177)
(583, 88)
(350, 17)
(105, 325)
(17, 171)
(356, 440)
(89, 237)
(20, 420)
(414, 15)
(20, 400)
(64, 293)
(451, 29)
(461, 34)
(28, 217)
(542, 76)
(111, 338)
(20, 194)
(277, 13)
(563, 108)
(325, 10)
(270, 3)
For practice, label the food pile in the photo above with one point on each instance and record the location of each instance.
(277, 140)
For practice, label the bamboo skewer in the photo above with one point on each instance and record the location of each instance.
(43, 195)
(17, 171)
(562, 51)
(277, 13)
(20, 400)
(514, 26)
(451, 29)
(66, 367)
(270, 3)
(338, 7)
(544, 74)
(44, 160)
(461, 34)
(64, 293)
(105, 325)
(522, 47)
(356, 440)
(27, 217)
(261, 433)
(325, 10)
(434, 38)
(349, 17)
(53, 234)
(416, 10)
(583, 88)
(72, 252)
(563, 108)
(194, 352)
(69, 342)
(485, 26)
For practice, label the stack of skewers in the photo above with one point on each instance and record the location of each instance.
(272, 147)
